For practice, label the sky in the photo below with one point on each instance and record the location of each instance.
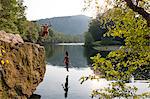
(40, 9)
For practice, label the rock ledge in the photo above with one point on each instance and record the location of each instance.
(25, 70)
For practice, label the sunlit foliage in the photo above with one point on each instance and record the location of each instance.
(131, 59)
(142, 7)
(135, 53)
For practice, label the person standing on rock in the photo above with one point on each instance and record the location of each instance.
(66, 60)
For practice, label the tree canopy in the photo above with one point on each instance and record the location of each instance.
(13, 20)
(131, 21)
(139, 6)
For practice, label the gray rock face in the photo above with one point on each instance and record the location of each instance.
(10, 38)
(25, 70)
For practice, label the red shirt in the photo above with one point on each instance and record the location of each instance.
(66, 59)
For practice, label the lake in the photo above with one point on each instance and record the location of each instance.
(60, 84)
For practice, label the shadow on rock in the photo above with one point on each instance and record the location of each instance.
(35, 96)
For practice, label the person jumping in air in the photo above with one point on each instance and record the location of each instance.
(66, 60)
(45, 30)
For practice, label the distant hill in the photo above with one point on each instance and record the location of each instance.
(69, 24)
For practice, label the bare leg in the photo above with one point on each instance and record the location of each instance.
(67, 67)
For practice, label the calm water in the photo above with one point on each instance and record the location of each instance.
(60, 84)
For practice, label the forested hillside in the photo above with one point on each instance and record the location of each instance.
(69, 25)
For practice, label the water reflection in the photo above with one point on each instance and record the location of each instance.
(55, 55)
(52, 87)
(90, 52)
(66, 60)
(79, 55)
(65, 87)
(35, 96)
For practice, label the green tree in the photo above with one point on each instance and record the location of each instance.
(133, 57)
(8, 15)
(13, 20)
(88, 38)
(139, 6)
(97, 29)
(32, 32)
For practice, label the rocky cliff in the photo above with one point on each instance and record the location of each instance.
(22, 67)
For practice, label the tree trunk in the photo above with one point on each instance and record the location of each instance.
(139, 10)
